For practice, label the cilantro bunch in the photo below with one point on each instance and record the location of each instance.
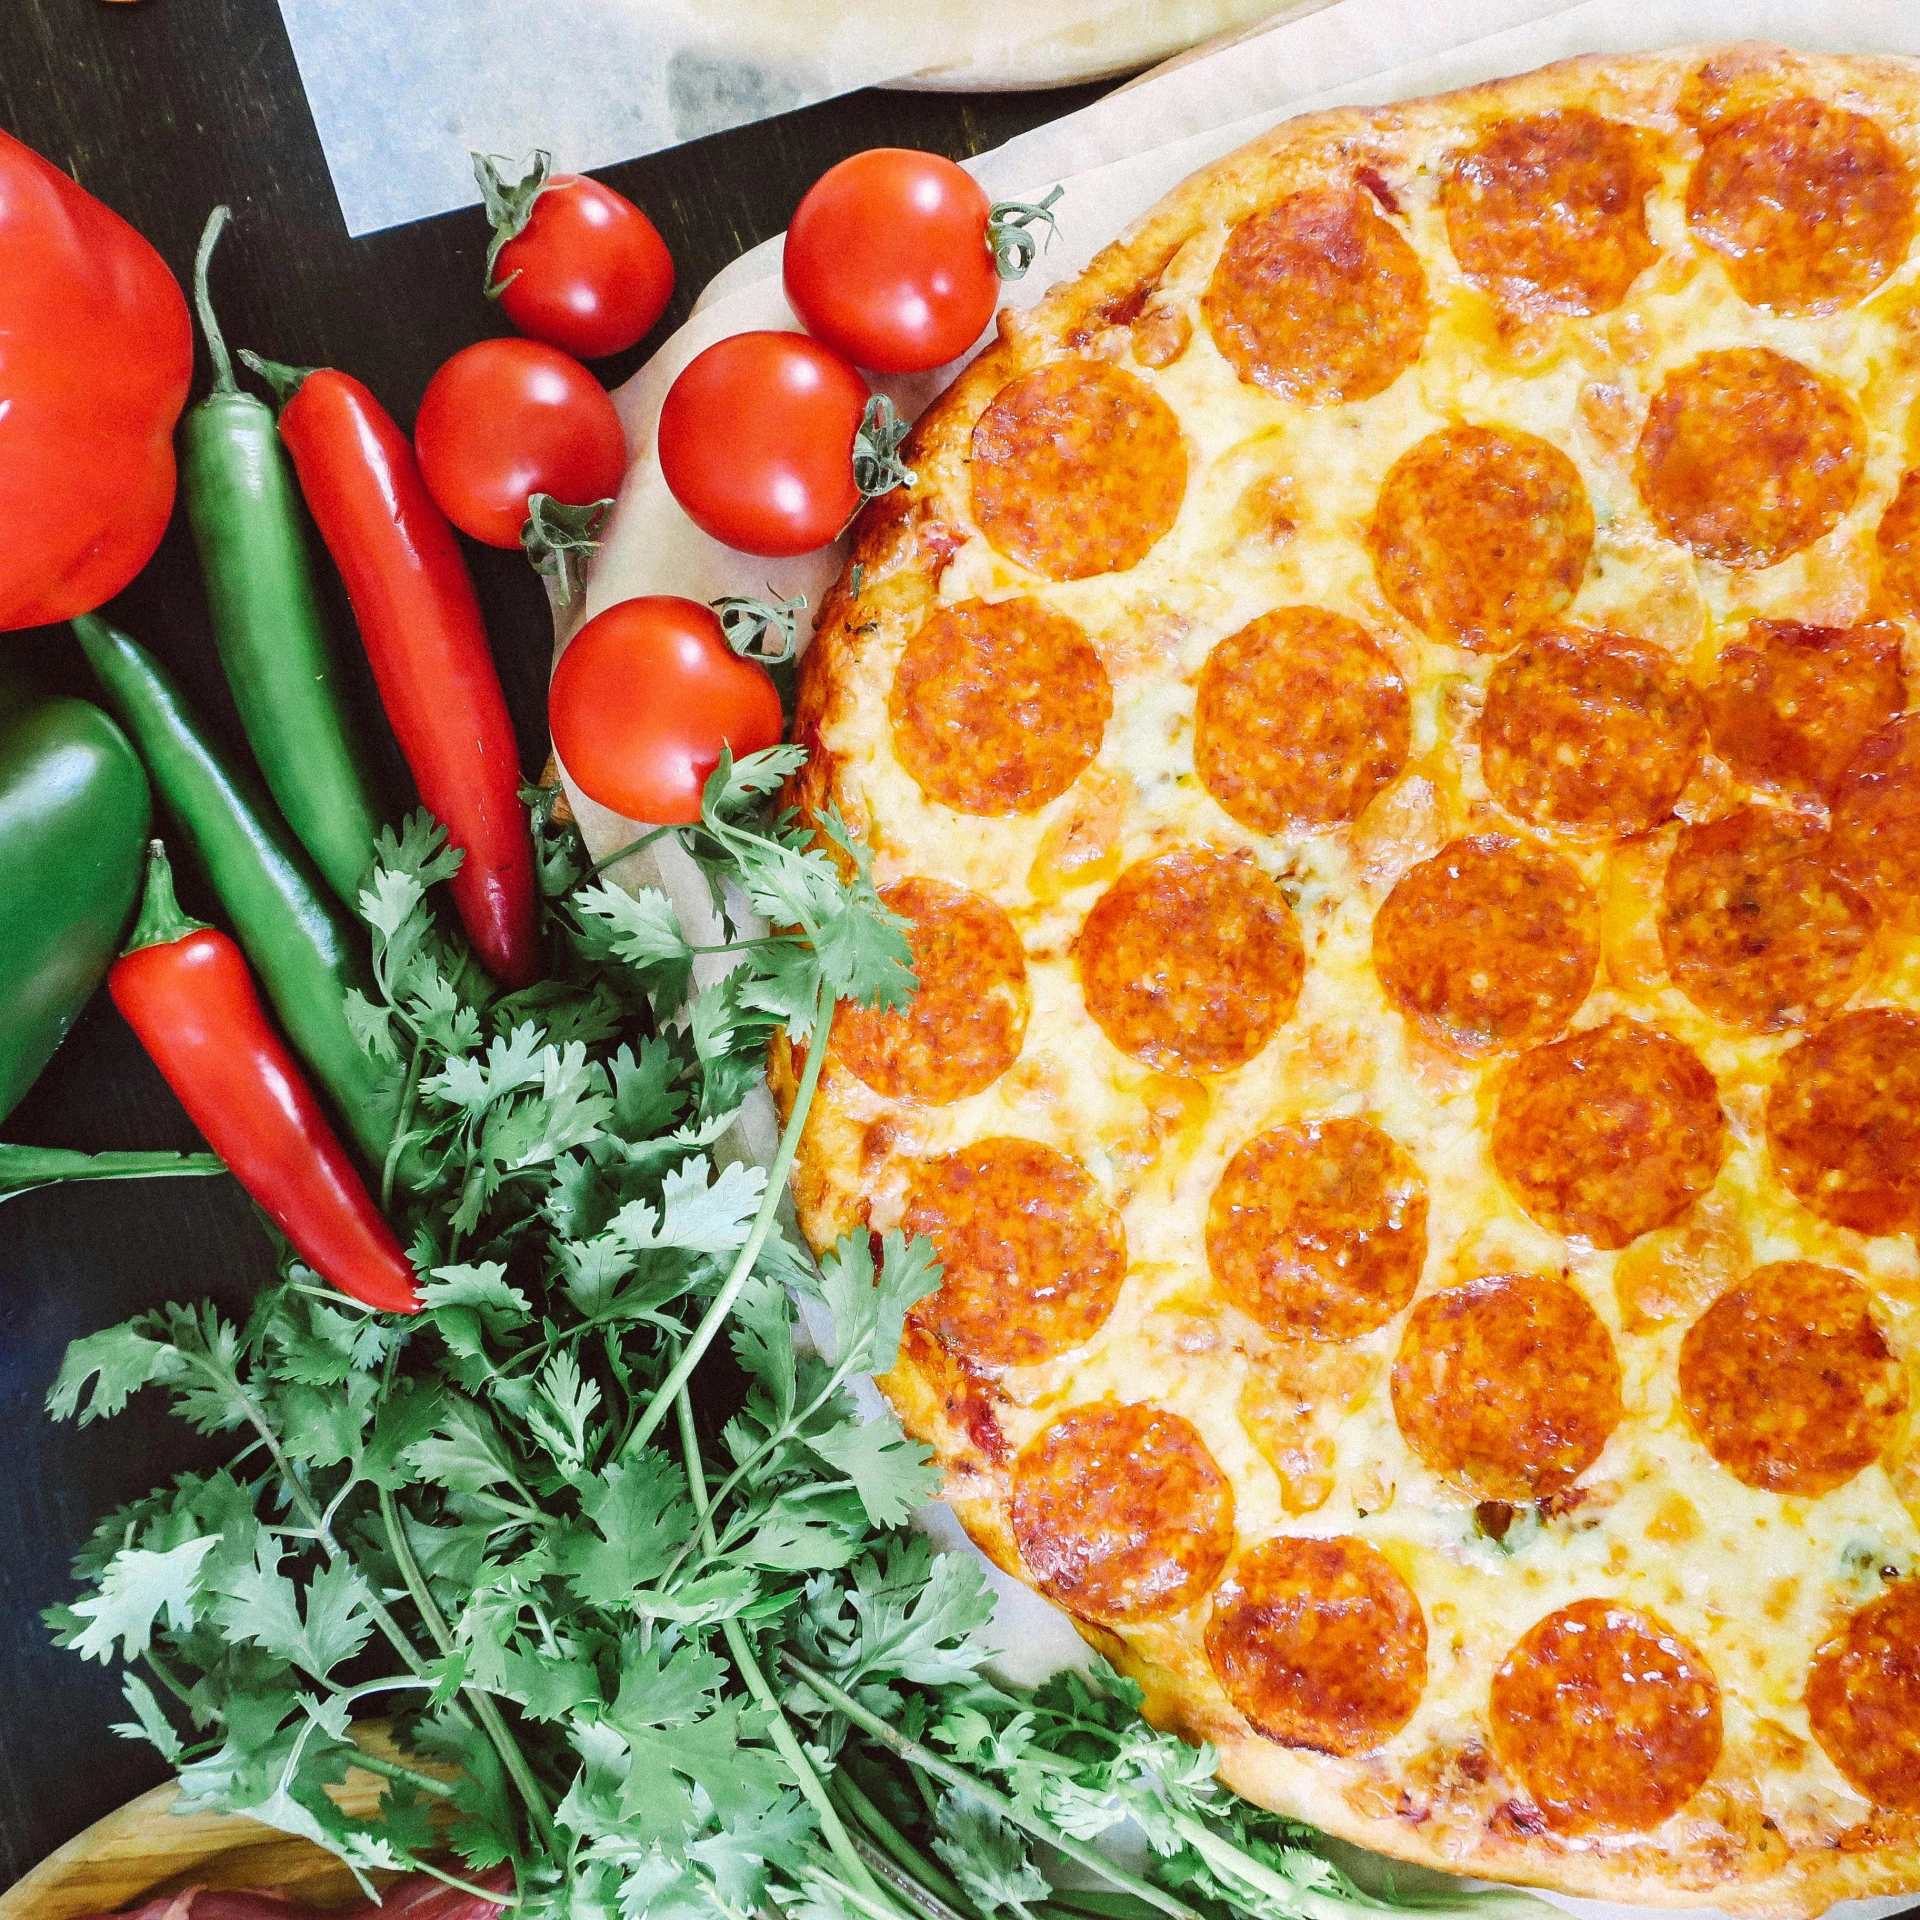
(637, 1607)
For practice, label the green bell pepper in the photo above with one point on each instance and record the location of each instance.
(74, 818)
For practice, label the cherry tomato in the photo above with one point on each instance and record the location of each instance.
(588, 272)
(887, 260)
(506, 418)
(756, 442)
(643, 700)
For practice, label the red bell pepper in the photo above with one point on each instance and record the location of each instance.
(96, 353)
(185, 990)
(419, 618)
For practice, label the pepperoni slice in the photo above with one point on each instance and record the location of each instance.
(1592, 731)
(1490, 944)
(1301, 720)
(1789, 1382)
(1318, 299)
(1548, 213)
(998, 708)
(1863, 1698)
(1191, 961)
(1747, 457)
(1319, 1229)
(1507, 1385)
(1898, 541)
(1320, 1644)
(1607, 1717)
(1032, 1255)
(1608, 1133)
(1756, 928)
(962, 1029)
(1843, 1121)
(1794, 704)
(1078, 468)
(1809, 206)
(1876, 823)
(1481, 535)
(1120, 1513)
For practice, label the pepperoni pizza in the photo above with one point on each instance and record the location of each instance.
(1385, 712)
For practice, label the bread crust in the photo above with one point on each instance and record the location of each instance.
(1716, 1853)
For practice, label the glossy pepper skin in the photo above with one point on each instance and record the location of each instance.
(95, 357)
(185, 990)
(244, 508)
(74, 817)
(302, 944)
(420, 621)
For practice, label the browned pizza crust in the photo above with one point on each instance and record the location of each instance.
(1680, 1821)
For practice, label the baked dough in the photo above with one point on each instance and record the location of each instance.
(1384, 711)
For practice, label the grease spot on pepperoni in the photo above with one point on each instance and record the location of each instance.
(1078, 468)
(1898, 544)
(1191, 961)
(1843, 1121)
(1788, 1381)
(1301, 720)
(1319, 1644)
(1120, 1513)
(1490, 944)
(1809, 206)
(1508, 1385)
(1032, 1256)
(1319, 1229)
(1593, 731)
(1480, 536)
(1607, 1717)
(1547, 213)
(963, 1028)
(1876, 823)
(1608, 1133)
(1756, 928)
(1747, 456)
(1318, 299)
(1863, 1698)
(1793, 704)
(998, 708)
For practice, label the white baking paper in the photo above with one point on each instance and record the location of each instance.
(1116, 159)
(401, 93)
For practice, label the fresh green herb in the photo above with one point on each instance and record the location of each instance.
(656, 1660)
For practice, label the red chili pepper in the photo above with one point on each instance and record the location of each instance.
(186, 992)
(420, 621)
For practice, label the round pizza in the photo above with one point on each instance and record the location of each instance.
(1385, 711)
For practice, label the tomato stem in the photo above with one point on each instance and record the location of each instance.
(764, 630)
(509, 204)
(1010, 236)
(877, 466)
(559, 540)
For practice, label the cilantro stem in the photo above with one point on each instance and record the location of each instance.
(493, 1897)
(934, 1879)
(484, 1709)
(930, 1762)
(633, 846)
(898, 1880)
(715, 1316)
(806, 1778)
(407, 1776)
(408, 1095)
(1235, 1863)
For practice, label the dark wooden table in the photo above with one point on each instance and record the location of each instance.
(163, 108)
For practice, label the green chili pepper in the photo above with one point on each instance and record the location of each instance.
(74, 815)
(304, 948)
(244, 508)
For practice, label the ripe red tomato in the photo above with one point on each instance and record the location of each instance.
(588, 272)
(756, 442)
(887, 259)
(507, 418)
(643, 700)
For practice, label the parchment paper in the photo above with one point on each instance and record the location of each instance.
(401, 93)
(1117, 158)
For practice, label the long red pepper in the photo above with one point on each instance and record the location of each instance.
(186, 992)
(419, 618)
